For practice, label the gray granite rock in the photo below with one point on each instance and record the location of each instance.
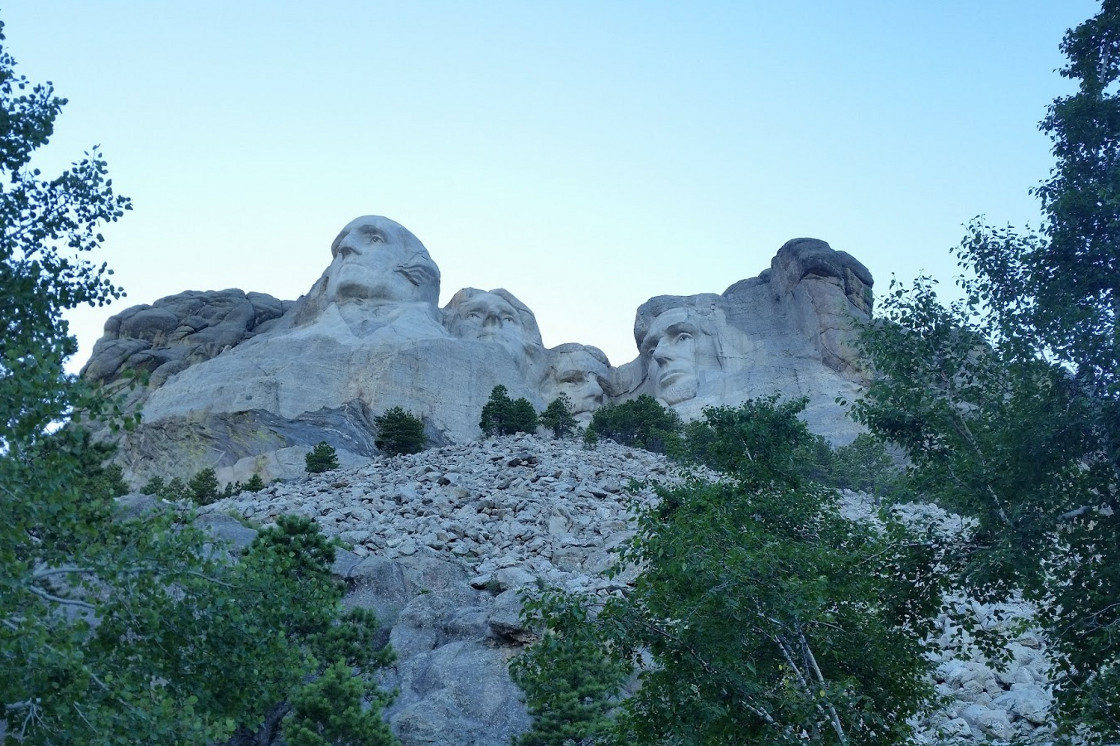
(444, 541)
(178, 331)
(789, 331)
(244, 382)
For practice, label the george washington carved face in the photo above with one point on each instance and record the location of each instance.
(378, 260)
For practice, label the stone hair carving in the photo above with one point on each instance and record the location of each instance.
(582, 373)
(802, 258)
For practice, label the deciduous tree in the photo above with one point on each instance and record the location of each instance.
(1007, 403)
(113, 629)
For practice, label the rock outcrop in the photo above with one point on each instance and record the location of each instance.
(443, 540)
(246, 383)
(178, 331)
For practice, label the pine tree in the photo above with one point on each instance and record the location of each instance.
(558, 417)
(204, 487)
(504, 416)
(321, 458)
(399, 432)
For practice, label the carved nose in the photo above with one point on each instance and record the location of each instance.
(491, 321)
(661, 352)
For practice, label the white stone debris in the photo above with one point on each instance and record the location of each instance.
(442, 540)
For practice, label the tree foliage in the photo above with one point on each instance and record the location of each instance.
(558, 417)
(399, 432)
(329, 712)
(1007, 403)
(47, 225)
(321, 458)
(204, 486)
(642, 422)
(768, 616)
(504, 416)
(570, 681)
(117, 629)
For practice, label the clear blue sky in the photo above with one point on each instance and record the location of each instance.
(583, 155)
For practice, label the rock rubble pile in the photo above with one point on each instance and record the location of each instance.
(443, 540)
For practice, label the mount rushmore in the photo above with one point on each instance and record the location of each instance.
(244, 382)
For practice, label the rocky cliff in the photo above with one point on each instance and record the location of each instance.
(245, 383)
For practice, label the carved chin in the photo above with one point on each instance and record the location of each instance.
(681, 388)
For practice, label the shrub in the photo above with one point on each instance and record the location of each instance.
(571, 685)
(760, 614)
(523, 418)
(865, 465)
(399, 432)
(558, 417)
(321, 458)
(255, 483)
(154, 486)
(203, 487)
(113, 478)
(641, 422)
(329, 710)
(504, 416)
(590, 438)
(231, 489)
(175, 489)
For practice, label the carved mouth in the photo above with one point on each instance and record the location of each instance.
(417, 274)
(671, 376)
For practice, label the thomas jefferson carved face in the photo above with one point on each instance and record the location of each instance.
(582, 374)
(379, 260)
(494, 316)
(677, 348)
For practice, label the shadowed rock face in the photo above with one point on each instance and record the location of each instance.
(498, 317)
(685, 345)
(245, 382)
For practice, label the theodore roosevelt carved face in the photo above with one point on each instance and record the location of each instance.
(581, 372)
(378, 260)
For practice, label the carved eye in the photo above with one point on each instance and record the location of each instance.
(684, 337)
(372, 235)
(474, 315)
(507, 319)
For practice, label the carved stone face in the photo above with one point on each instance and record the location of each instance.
(677, 349)
(379, 260)
(490, 317)
(580, 375)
